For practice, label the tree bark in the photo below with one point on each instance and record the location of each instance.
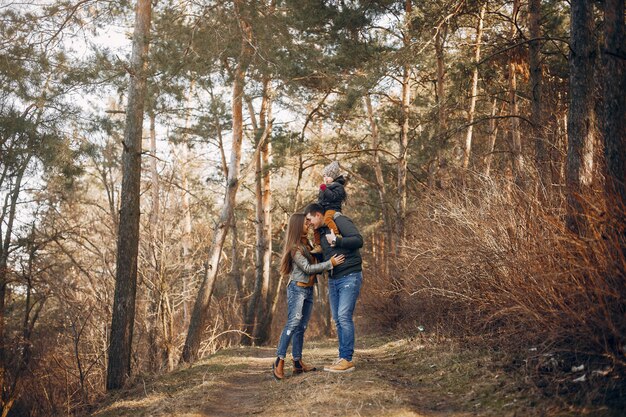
(380, 180)
(542, 160)
(263, 329)
(404, 132)
(201, 306)
(154, 293)
(440, 92)
(493, 135)
(440, 44)
(123, 318)
(474, 91)
(259, 307)
(614, 123)
(580, 124)
(187, 225)
(517, 164)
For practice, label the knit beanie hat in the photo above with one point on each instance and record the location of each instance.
(332, 170)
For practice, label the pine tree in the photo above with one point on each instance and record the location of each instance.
(122, 323)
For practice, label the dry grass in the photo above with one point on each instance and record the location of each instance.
(416, 377)
(500, 268)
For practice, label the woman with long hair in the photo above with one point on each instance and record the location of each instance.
(300, 266)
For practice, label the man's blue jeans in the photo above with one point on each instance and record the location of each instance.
(299, 308)
(343, 293)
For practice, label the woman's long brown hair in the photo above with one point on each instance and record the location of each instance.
(292, 242)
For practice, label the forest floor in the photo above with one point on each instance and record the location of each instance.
(406, 377)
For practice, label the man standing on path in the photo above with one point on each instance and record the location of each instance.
(344, 281)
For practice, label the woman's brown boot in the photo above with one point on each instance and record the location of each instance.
(278, 369)
(300, 367)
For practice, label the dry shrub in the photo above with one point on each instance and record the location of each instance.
(494, 263)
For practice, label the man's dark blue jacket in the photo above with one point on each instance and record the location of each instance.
(348, 244)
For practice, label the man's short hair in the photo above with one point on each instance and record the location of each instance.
(313, 208)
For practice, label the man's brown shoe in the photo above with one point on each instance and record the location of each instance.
(278, 369)
(300, 367)
(340, 366)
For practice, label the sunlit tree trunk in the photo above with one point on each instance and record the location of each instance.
(581, 119)
(404, 132)
(167, 328)
(187, 224)
(123, 318)
(259, 307)
(263, 328)
(493, 135)
(474, 91)
(516, 137)
(560, 162)
(380, 180)
(201, 306)
(154, 290)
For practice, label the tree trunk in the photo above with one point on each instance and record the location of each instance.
(154, 293)
(167, 329)
(201, 306)
(580, 125)
(380, 180)
(542, 160)
(493, 134)
(252, 313)
(614, 123)
(263, 329)
(187, 226)
(404, 133)
(275, 297)
(440, 92)
(516, 138)
(560, 162)
(154, 180)
(322, 306)
(552, 139)
(440, 43)
(6, 402)
(474, 91)
(128, 232)
(152, 318)
(259, 307)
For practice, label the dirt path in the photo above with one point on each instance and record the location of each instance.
(393, 378)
